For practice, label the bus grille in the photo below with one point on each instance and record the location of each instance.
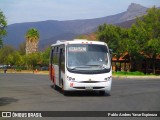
(89, 81)
(94, 88)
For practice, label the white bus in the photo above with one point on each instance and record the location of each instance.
(81, 65)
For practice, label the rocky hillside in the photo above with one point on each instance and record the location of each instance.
(52, 30)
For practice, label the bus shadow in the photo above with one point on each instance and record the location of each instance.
(7, 100)
(80, 93)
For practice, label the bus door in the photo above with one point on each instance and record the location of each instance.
(51, 69)
(56, 65)
(61, 65)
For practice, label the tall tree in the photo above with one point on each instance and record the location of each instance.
(22, 48)
(32, 39)
(148, 34)
(3, 24)
(33, 59)
(133, 46)
(113, 35)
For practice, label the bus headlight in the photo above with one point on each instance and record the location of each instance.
(108, 78)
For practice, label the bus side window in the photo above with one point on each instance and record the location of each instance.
(51, 55)
(62, 53)
(55, 58)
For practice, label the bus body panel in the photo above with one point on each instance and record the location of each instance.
(70, 81)
(56, 77)
(96, 82)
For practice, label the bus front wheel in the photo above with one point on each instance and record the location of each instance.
(101, 93)
(65, 92)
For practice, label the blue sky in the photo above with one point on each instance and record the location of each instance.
(18, 11)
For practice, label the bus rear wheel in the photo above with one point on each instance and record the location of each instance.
(65, 92)
(55, 86)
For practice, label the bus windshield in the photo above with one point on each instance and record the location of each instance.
(87, 57)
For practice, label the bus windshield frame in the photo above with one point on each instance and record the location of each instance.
(88, 58)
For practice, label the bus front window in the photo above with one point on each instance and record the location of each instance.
(87, 57)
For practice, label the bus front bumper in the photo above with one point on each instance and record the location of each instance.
(100, 86)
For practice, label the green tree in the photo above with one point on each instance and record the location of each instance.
(142, 38)
(152, 48)
(33, 59)
(45, 57)
(151, 23)
(133, 45)
(15, 59)
(113, 35)
(32, 39)
(22, 48)
(4, 53)
(3, 24)
(146, 34)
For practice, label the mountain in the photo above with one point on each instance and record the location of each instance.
(134, 10)
(52, 30)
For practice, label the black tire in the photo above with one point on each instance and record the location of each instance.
(55, 86)
(66, 93)
(108, 94)
(102, 93)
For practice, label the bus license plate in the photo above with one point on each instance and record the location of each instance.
(89, 88)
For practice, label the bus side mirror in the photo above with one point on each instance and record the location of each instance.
(110, 51)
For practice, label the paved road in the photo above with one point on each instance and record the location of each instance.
(29, 92)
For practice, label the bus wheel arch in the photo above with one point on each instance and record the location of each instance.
(104, 93)
(54, 84)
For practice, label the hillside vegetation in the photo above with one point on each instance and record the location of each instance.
(140, 40)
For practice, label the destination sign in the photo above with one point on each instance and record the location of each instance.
(77, 49)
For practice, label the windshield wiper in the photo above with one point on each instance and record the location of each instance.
(73, 68)
(93, 65)
(101, 66)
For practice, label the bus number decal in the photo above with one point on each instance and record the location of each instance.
(71, 84)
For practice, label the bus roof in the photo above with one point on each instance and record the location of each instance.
(77, 41)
